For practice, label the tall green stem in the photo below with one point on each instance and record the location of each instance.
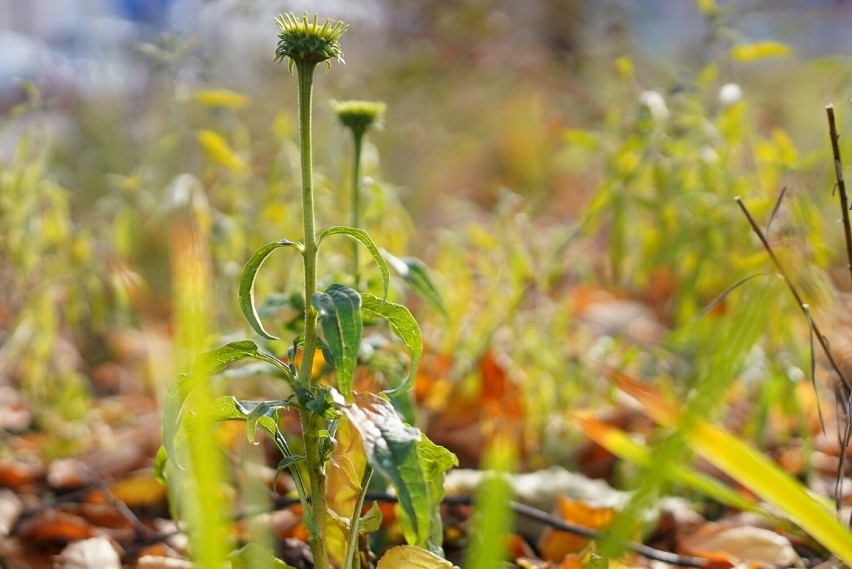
(306, 76)
(313, 455)
(357, 140)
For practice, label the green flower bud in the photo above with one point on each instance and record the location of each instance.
(306, 42)
(359, 115)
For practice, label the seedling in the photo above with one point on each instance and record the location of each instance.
(334, 320)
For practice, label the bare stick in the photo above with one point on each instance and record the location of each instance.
(847, 388)
(841, 184)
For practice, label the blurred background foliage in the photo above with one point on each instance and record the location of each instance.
(566, 168)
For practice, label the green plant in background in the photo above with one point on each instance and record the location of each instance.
(358, 117)
(333, 322)
(50, 281)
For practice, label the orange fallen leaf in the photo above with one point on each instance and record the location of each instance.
(555, 545)
(54, 526)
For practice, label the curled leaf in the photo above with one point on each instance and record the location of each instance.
(246, 295)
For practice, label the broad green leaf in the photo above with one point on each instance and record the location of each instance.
(748, 467)
(403, 324)
(408, 557)
(414, 272)
(339, 311)
(391, 448)
(253, 555)
(364, 239)
(246, 294)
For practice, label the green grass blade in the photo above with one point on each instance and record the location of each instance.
(750, 468)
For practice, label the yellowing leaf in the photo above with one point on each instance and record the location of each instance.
(760, 50)
(219, 151)
(220, 98)
(410, 557)
(748, 467)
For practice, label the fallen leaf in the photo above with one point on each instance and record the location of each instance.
(52, 526)
(94, 553)
(11, 507)
(743, 544)
(156, 562)
(407, 556)
(556, 545)
(139, 491)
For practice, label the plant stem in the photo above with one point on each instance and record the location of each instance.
(841, 184)
(305, 72)
(313, 457)
(352, 546)
(357, 140)
(823, 342)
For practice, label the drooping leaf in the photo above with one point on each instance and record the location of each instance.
(283, 465)
(436, 461)
(414, 272)
(340, 320)
(364, 239)
(249, 275)
(403, 324)
(205, 365)
(748, 467)
(216, 360)
(391, 448)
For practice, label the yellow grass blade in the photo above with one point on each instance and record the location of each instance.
(748, 467)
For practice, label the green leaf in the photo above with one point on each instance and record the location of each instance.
(403, 324)
(216, 360)
(283, 465)
(371, 521)
(340, 320)
(364, 239)
(205, 365)
(436, 461)
(247, 283)
(253, 555)
(414, 272)
(391, 448)
(264, 409)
